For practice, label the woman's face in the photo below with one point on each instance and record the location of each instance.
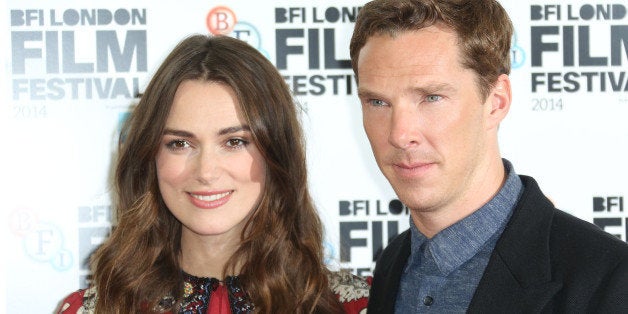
(210, 173)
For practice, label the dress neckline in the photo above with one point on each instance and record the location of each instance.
(193, 278)
(198, 293)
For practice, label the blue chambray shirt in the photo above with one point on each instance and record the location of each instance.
(442, 273)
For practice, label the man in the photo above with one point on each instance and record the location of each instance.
(434, 87)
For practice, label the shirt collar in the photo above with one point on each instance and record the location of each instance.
(459, 242)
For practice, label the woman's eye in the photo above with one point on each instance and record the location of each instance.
(433, 98)
(178, 144)
(236, 142)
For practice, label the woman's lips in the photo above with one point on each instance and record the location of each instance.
(210, 200)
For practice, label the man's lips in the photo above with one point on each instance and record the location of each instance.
(412, 169)
(412, 165)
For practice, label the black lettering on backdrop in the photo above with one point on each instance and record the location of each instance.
(42, 57)
(573, 44)
(310, 36)
(609, 215)
(369, 218)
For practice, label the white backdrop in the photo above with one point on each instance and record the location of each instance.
(72, 69)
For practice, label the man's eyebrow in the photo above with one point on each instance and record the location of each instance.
(433, 87)
(364, 93)
(424, 89)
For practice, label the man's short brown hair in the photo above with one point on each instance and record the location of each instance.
(483, 28)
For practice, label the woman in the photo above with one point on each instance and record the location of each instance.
(214, 214)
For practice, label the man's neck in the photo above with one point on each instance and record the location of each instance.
(480, 191)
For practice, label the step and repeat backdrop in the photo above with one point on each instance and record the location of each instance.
(74, 69)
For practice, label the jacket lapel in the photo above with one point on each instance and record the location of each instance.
(388, 271)
(500, 292)
(518, 276)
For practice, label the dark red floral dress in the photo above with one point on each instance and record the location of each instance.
(209, 296)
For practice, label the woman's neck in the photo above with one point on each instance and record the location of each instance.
(206, 256)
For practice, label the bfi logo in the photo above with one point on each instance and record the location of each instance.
(609, 215)
(41, 240)
(368, 224)
(94, 227)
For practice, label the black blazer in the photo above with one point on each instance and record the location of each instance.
(546, 261)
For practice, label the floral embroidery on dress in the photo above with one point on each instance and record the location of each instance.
(239, 299)
(89, 300)
(348, 287)
(197, 293)
(352, 291)
(86, 298)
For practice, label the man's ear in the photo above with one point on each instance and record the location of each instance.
(498, 101)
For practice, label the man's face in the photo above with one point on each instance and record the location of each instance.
(424, 117)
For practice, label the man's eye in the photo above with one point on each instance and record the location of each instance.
(433, 98)
(377, 102)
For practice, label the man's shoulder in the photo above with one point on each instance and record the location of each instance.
(541, 235)
(572, 234)
(572, 241)
(566, 228)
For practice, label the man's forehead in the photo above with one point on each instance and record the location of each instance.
(425, 47)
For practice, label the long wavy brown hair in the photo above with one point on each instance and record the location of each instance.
(280, 254)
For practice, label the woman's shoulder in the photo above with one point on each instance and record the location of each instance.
(82, 301)
(351, 290)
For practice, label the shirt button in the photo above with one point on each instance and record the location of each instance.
(428, 300)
